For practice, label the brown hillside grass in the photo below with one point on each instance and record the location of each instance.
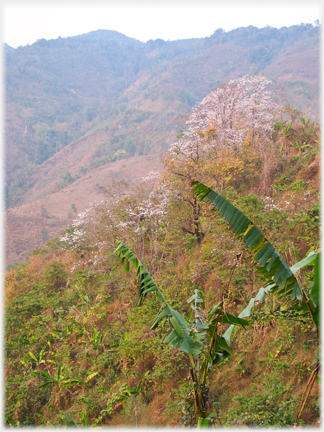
(25, 225)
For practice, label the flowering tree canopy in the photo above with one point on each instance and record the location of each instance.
(226, 116)
(218, 128)
(130, 217)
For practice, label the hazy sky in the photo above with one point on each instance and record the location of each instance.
(23, 22)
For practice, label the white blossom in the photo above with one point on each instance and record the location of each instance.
(225, 117)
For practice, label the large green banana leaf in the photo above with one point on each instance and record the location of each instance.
(271, 264)
(315, 291)
(144, 280)
(280, 277)
(314, 288)
(311, 258)
(181, 336)
(247, 311)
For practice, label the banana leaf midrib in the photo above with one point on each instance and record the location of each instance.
(265, 255)
(146, 285)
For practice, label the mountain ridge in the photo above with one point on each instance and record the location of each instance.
(89, 101)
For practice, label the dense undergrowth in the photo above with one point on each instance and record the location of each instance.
(77, 345)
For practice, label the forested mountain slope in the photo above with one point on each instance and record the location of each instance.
(81, 349)
(79, 103)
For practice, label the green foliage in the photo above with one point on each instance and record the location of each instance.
(272, 267)
(197, 336)
(79, 349)
(67, 179)
(278, 276)
(97, 336)
(266, 409)
(56, 274)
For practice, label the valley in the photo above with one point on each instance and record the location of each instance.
(79, 105)
(163, 249)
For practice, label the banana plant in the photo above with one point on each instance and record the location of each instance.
(287, 129)
(296, 145)
(97, 338)
(279, 277)
(36, 361)
(79, 381)
(198, 335)
(281, 126)
(57, 379)
(84, 300)
(11, 422)
(296, 311)
(48, 379)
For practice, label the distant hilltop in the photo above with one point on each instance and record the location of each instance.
(76, 105)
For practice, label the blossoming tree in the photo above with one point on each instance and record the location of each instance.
(235, 118)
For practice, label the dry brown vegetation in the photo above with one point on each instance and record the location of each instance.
(27, 228)
(271, 360)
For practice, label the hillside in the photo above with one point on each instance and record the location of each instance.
(89, 344)
(30, 225)
(79, 103)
